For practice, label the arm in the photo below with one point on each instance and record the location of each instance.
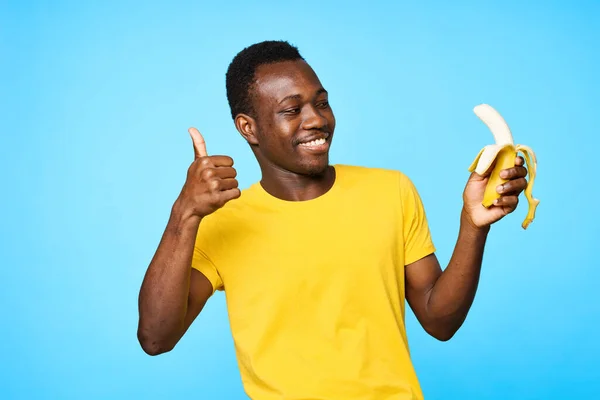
(442, 300)
(172, 292)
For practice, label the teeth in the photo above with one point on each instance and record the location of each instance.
(316, 142)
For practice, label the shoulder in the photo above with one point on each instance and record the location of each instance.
(359, 172)
(390, 178)
(381, 183)
(364, 171)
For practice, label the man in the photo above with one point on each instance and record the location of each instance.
(316, 260)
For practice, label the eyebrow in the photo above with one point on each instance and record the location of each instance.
(297, 96)
(291, 97)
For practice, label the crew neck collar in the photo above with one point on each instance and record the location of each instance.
(271, 199)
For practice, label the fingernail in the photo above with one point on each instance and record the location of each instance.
(500, 188)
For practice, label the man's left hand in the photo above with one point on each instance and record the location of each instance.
(482, 217)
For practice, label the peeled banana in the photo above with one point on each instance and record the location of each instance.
(502, 155)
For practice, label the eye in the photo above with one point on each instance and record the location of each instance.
(294, 110)
(323, 104)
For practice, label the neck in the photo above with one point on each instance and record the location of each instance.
(290, 186)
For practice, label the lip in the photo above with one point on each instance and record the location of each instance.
(318, 149)
(310, 138)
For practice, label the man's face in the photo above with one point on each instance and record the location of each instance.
(295, 123)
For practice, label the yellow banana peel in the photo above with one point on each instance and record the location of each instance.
(502, 155)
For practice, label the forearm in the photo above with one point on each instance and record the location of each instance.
(164, 293)
(452, 294)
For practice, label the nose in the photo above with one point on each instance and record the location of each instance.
(313, 119)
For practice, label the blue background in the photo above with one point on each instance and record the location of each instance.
(95, 102)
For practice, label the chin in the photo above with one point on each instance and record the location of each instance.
(317, 168)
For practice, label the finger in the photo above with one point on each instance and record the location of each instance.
(519, 161)
(199, 143)
(221, 161)
(230, 194)
(210, 173)
(225, 172)
(228, 184)
(515, 186)
(514, 172)
(507, 201)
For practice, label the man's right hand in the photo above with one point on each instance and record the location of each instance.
(210, 181)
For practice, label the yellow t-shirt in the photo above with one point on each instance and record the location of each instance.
(315, 289)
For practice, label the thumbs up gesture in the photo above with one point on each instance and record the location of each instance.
(210, 180)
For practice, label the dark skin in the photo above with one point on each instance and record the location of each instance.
(291, 107)
(172, 294)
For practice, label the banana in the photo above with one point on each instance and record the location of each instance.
(501, 155)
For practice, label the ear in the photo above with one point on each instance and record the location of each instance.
(246, 126)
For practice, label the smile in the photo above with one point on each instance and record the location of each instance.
(314, 143)
(316, 146)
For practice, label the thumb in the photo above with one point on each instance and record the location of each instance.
(199, 144)
(475, 177)
(484, 174)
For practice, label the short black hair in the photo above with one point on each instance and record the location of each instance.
(240, 74)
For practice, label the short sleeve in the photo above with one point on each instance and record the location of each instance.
(201, 260)
(417, 237)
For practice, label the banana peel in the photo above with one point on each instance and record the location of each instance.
(501, 155)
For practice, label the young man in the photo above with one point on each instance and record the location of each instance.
(316, 260)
